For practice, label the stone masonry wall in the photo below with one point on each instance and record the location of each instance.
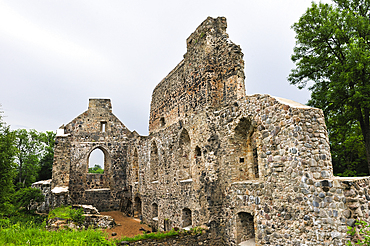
(210, 74)
(96, 128)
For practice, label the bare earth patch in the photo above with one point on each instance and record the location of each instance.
(128, 226)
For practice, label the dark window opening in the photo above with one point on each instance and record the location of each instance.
(241, 160)
(103, 126)
(137, 208)
(135, 166)
(155, 210)
(245, 227)
(186, 217)
(154, 162)
(163, 122)
(198, 152)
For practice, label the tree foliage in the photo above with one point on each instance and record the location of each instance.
(46, 161)
(35, 153)
(7, 165)
(96, 169)
(23, 197)
(333, 51)
(28, 155)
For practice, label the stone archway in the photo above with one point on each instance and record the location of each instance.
(106, 158)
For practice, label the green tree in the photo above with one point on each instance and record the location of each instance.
(333, 51)
(7, 165)
(96, 169)
(29, 149)
(47, 158)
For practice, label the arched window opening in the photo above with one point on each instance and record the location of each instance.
(245, 228)
(184, 155)
(186, 218)
(155, 217)
(198, 153)
(96, 161)
(154, 162)
(155, 211)
(137, 208)
(135, 166)
(245, 152)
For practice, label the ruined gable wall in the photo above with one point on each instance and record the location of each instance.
(211, 74)
(84, 134)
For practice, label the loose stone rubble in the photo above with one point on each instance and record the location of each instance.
(92, 219)
(246, 166)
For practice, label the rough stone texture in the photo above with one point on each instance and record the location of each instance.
(53, 198)
(72, 150)
(184, 239)
(246, 166)
(92, 220)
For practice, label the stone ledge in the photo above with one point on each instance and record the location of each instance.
(59, 189)
(186, 181)
(102, 189)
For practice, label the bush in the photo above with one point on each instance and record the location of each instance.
(360, 232)
(23, 197)
(153, 235)
(76, 215)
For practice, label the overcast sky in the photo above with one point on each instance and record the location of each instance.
(55, 55)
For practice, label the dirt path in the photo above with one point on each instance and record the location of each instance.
(126, 226)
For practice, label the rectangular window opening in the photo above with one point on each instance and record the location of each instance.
(241, 160)
(103, 126)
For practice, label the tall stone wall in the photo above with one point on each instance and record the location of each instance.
(211, 74)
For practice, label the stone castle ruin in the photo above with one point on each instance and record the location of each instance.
(251, 168)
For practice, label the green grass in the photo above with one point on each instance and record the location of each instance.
(159, 235)
(153, 235)
(76, 215)
(32, 234)
(60, 212)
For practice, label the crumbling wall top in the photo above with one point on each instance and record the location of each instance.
(210, 75)
(211, 26)
(98, 103)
